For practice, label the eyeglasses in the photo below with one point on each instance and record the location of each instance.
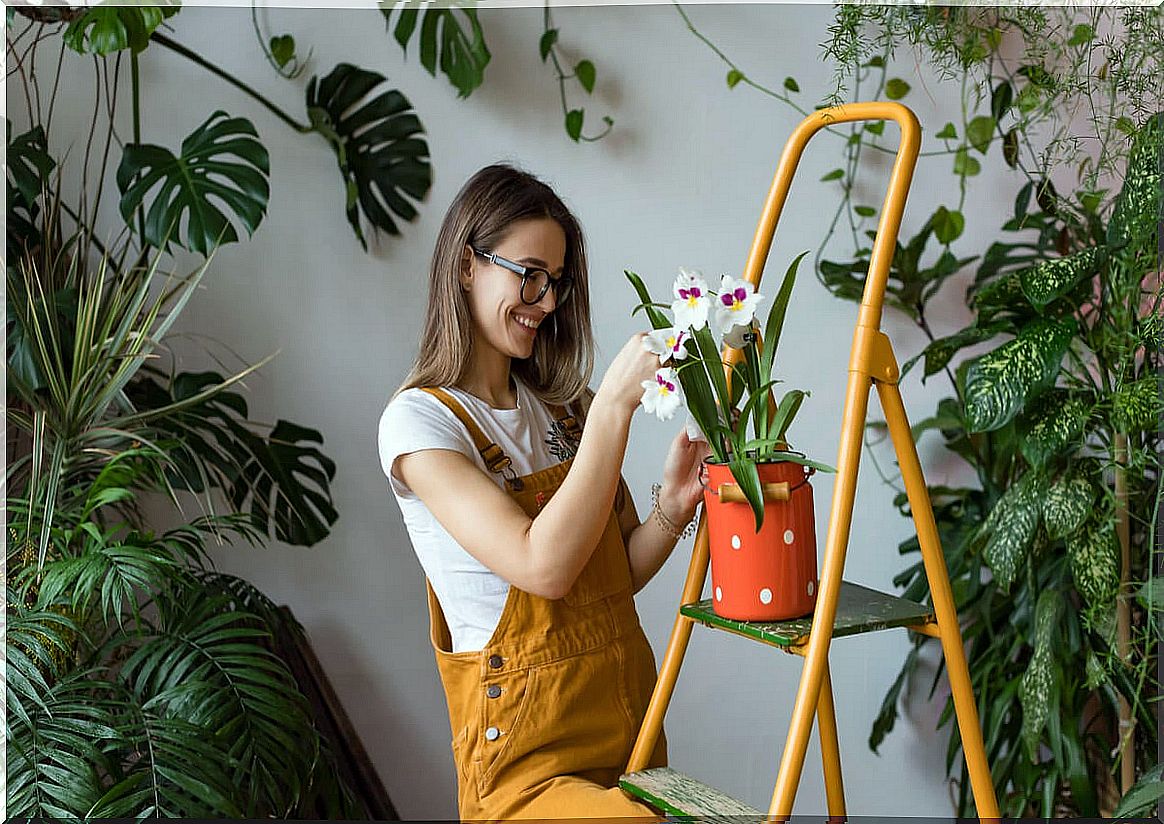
(534, 281)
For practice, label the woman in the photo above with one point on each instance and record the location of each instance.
(530, 544)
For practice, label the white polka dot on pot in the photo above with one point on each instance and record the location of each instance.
(765, 596)
(789, 537)
(811, 588)
(735, 542)
(718, 594)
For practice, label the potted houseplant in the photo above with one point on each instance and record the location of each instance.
(758, 500)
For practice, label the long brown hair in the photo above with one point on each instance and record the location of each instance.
(489, 203)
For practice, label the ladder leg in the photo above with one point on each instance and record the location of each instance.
(673, 658)
(943, 598)
(826, 721)
(817, 649)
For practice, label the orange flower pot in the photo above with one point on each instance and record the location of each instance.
(768, 575)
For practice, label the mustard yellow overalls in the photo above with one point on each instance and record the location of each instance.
(543, 718)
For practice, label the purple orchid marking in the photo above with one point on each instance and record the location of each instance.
(693, 292)
(664, 383)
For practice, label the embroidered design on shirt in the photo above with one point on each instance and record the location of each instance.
(562, 440)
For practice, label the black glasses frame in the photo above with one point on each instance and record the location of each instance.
(562, 285)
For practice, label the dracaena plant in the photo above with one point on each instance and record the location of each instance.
(140, 681)
(733, 408)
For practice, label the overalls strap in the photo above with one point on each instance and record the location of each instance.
(491, 453)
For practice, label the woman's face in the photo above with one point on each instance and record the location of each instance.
(500, 319)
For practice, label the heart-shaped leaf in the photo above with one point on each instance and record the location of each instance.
(377, 143)
(463, 57)
(105, 29)
(222, 160)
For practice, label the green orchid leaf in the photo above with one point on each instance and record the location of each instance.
(382, 157)
(775, 324)
(103, 29)
(1051, 279)
(221, 161)
(1000, 382)
(1137, 406)
(1093, 552)
(657, 318)
(786, 410)
(1067, 505)
(1010, 527)
(1136, 213)
(462, 56)
(940, 352)
(797, 458)
(747, 476)
(1053, 423)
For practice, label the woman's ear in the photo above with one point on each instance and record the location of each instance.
(466, 276)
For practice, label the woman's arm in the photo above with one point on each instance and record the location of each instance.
(544, 555)
(648, 544)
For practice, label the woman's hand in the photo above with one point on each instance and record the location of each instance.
(622, 385)
(682, 488)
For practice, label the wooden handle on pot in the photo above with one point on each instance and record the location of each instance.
(732, 494)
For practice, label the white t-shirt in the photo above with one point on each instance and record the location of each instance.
(471, 595)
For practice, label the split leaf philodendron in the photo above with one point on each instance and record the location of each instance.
(723, 402)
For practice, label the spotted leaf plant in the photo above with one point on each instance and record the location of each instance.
(729, 401)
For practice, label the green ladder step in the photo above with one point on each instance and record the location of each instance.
(859, 609)
(676, 794)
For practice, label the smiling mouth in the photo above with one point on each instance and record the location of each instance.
(530, 326)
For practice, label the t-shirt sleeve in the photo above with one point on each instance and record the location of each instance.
(414, 421)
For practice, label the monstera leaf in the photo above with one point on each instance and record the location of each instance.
(29, 165)
(377, 144)
(106, 29)
(463, 58)
(223, 159)
(285, 477)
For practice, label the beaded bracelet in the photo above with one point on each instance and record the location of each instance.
(666, 523)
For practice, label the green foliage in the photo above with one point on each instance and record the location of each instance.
(220, 161)
(376, 139)
(462, 56)
(103, 30)
(140, 682)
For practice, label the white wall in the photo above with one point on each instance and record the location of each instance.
(679, 182)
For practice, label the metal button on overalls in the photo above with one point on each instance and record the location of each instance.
(573, 687)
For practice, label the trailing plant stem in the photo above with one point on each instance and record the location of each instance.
(229, 78)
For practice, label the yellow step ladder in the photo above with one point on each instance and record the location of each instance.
(842, 608)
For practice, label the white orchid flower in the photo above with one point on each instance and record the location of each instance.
(662, 396)
(692, 300)
(668, 344)
(736, 304)
(739, 336)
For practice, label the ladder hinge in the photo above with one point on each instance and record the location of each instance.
(873, 355)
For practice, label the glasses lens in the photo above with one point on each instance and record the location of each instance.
(534, 285)
(562, 287)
